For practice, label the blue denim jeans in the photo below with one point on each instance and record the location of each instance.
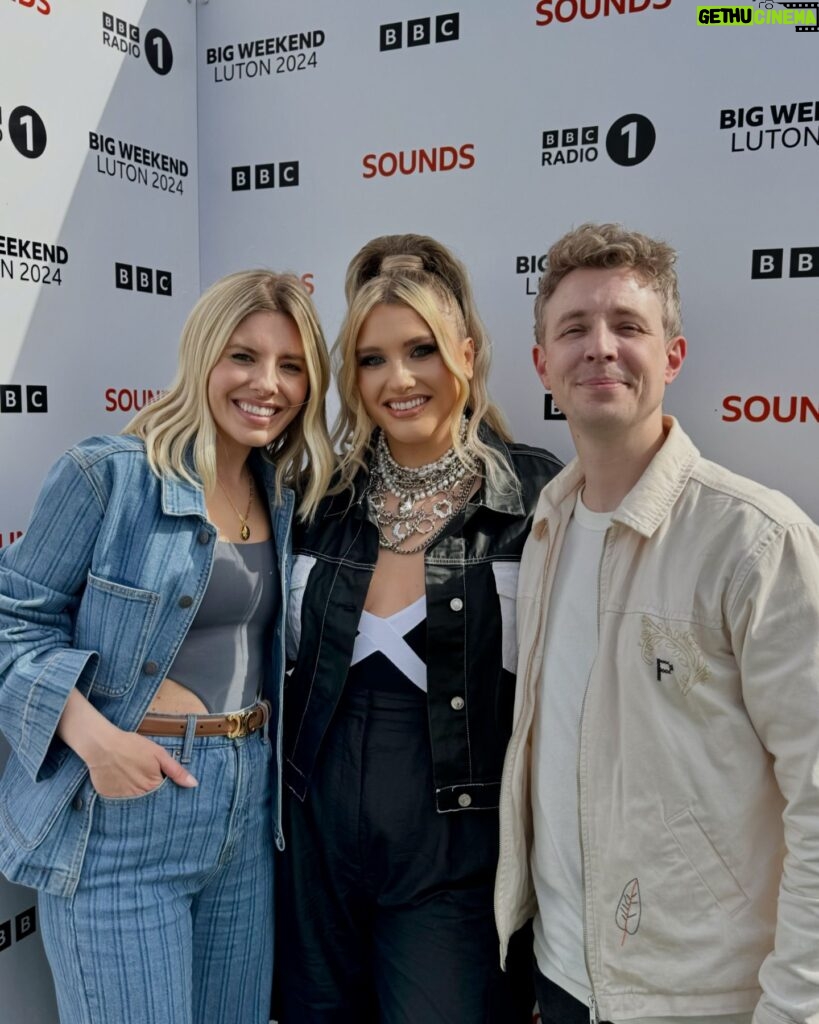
(172, 920)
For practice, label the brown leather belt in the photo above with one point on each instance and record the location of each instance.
(234, 725)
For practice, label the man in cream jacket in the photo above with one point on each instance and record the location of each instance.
(660, 799)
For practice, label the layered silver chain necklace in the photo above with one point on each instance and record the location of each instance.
(428, 496)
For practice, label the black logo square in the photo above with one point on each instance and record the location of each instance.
(144, 279)
(550, 410)
(134, 33)
(766, 263)
(419, 32)
(5, 935)
(240, 178)
(288, 173)
(391, 36)
(590, 135)
(107, 21)
(25, 924)
(447, 27)
(265, 175)
(551, 139)
(36, 401)
(122, 27)
(164, 282)
(569, 137)
(805, 262)
(124, 276)
(11, 398)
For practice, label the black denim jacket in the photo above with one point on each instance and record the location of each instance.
(471, 578)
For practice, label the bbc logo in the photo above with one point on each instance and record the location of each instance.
(419, 32)
(11, 398)
(264, 176)
(143, 279)
(770, 263)
(25, 924)
(550, 410)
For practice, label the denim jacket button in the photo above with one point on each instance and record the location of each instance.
(204, 536)
(76, 803)
(185, 601)
(464, 800)
(456, 604)
(150, 668)
(457, 703)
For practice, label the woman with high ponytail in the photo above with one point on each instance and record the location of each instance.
(402, 630)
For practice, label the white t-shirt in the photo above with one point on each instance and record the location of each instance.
(570, 650)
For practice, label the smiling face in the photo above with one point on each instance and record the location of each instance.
(605, 358)
(259, 383)
(405, 385)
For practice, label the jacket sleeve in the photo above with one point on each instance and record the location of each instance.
(775, 625)
(42, 577)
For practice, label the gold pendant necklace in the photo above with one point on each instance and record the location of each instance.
(244, 532)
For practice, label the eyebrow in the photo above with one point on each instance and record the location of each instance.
(407, 344)
(577, 314)
(248, 347)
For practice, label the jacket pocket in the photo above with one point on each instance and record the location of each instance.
(302, 567)
(701, 853)
(506, 584)
(115, 620)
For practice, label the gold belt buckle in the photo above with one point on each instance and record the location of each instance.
(238, 723)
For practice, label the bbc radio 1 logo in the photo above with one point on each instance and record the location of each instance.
(791, 125)
(563, 11)
(17, 398)
(25, 925)
(119, 34)
(442, 28)
(143, 279)
(245, 177)
(26, 131)
(769, 264)
(629, 141)
(40, 6)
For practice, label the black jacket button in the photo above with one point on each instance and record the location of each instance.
(150, 668)
(204, 536)
(185, 601)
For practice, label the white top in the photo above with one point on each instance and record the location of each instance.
(571, 646)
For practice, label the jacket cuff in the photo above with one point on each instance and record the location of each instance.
(65, 669)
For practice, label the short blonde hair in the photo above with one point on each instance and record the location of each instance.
(612, 247)
(421, 273)
(178, 428)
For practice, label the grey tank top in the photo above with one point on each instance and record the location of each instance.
(224, 657)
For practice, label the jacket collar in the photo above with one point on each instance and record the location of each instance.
(180, 498)
(648, 503)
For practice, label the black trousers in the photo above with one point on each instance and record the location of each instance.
(385, 907)
(556, 1005)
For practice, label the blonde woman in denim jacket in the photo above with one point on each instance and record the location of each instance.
(141, 670)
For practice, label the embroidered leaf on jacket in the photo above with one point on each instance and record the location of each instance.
(629, 909)
(679, 647)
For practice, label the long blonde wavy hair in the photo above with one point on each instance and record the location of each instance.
(421, 273)
(178, 428)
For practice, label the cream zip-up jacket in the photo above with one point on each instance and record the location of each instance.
(698, 760)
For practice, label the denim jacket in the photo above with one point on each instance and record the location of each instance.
(98, 594)
(471, 573)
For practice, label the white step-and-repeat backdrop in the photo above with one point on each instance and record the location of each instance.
(147, 148)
